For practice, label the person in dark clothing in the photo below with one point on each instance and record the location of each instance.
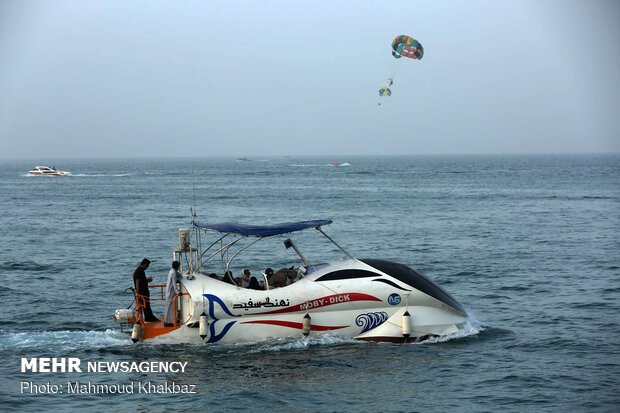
(254, 285)
(228, 277)
(141, 284)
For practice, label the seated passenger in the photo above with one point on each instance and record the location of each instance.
(275, 280)
(245, 278)
(228, 277)
(286, 275)
(299, 274)
(254, 285)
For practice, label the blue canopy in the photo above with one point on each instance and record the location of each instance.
(262, 230)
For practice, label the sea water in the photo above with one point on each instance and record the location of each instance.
(528, 244)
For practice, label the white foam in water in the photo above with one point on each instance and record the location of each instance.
(315, 165)
(471, 328)
(97, 175)
(73, 340)
(66, 340)
(298, 343)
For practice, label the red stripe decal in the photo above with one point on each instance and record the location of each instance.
(294, 325)
(324, 301)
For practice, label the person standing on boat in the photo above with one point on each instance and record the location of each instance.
(172, 290)
(142, 290)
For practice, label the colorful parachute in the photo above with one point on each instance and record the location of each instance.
(384, 91)
(408, 47)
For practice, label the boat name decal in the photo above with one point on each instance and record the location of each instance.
(368, 321)
(333, 299)
(267, 303)
(325, 301)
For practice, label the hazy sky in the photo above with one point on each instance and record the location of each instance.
(258, 78)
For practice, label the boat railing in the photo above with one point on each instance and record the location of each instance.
(141, 302)
(161, 291)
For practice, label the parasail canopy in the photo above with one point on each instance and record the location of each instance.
(408, 47)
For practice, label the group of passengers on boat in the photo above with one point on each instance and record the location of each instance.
(269, 280)
(280, 278)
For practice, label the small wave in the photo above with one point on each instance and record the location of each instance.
(302, 343)
(100, 175)
(465, 273)
(63, 340)
(224, 197)
(515, 288)
(27, 266)
(597, 305)
(308, 165)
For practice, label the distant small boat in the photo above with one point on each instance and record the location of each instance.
(244, 159)
(341, 164)
(46, 170)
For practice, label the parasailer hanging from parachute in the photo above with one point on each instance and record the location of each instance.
(384, 92)
(402, 46)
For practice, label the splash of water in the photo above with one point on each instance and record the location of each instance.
(62, 340)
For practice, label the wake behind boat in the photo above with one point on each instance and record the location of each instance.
(46, 170)
(347, 163)
(364, 299)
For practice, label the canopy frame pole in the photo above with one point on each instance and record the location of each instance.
(334, 242)
(237, 253)
(230, 275)
(220, 250)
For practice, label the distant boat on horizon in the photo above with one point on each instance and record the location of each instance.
(341, 164)
(243, 159)
(46, 170)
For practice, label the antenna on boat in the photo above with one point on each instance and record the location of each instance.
(194, 194)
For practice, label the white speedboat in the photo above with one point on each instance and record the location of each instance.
(46, 170)
(364, 299)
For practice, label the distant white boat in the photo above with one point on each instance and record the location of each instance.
(46, 170)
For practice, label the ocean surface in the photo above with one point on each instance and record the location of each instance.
(530, 245)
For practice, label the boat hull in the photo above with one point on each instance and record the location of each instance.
(369, 308)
